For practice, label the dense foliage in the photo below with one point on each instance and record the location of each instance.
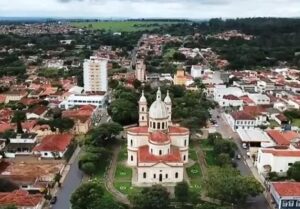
(294, 171)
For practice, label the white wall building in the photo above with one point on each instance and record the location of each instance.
(95, 74)
(73, 100)
(221, 91)
(230, 100)
(198, 71)
(140, 70)
(157, 150)
(241, 120)
(259, 99)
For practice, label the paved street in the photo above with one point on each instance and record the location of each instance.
(71, 183)
(73, 179)
(222, 127)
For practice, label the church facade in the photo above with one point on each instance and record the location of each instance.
(157, 150)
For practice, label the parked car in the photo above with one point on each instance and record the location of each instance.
(53, 200)
(238, 156)
(244, 145)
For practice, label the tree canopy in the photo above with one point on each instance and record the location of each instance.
(294, 171)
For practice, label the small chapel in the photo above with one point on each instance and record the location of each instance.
(157, 149)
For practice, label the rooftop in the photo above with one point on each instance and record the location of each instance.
(145, 157)
(241, 115)
(55, 142)
(20, 198)
(282, 152)
(287, 188)
(159, 137)
(282, 138)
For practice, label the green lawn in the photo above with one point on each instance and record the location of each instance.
(194, 172)
(123, 153)
(121, 26)
(193, 155)
(205, 145)
(296, 122)
(123, 173)
(210, 157)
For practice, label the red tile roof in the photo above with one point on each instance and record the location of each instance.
(55, 143)
(38, 110)
(230, 97)
(29, 101)
(144, 156)
(5, 127)
(254, 110)
(282, 138)
(159, 137)
(282, 117)
(138, 130)
(282, 152)
(287, 188)
(29, 124)
(20, 198)
(83, 113)
(178, 130)
(241, 115)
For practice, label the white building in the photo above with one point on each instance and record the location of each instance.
(259, 99)
(140, 70)
(97, 100)
(230, 100)
(278, 159)
(198, 71)
(157, 150)
(95, 74)
(241, 120)
(221, 91)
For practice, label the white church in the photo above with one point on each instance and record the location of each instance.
(157, 150)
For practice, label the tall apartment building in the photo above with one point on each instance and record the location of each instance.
(140, 70)
(95, 74)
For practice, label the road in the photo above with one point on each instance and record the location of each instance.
(260, 201)
(72, 180)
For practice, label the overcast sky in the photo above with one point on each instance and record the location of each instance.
(150, 8)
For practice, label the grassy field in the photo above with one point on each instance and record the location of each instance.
(121, 26)
(296, 122)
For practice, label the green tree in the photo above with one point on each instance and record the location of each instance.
(224, 159)
(213, 137)
(9, 207)
(228, 186)
(155, 197)
(7, 185)
(124, 111)
(137, 84)
(19, 117)
(294, 171)
(104, 134)
(88, 195)
(63, 124)
(182, 192)
(113, 83)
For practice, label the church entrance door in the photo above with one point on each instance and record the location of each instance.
(160, 177)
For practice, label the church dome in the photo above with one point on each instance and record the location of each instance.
(158, 110)
(143, 98)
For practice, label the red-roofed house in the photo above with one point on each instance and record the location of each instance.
(37, 112)
(283, 138)
(276, 159)
(22, 199)
(241, 120)
(53, 146)
(286, 195)
(82, 118)
(230, 100)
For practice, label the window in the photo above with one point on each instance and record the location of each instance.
(167, 176)
(131, 158)
(144, 175)
(284, 203)
(176, 175)
(154, 176)
(185, 142)
(291, 203)
(154, 125)
(151, 151)
(160, 152)
(143, 109)
(290, 164)
(184, 158)
(163, 125)
(45, 153)
(298, 203)
(142, 117)
(158, 125)
(150, 124)
(131, 142)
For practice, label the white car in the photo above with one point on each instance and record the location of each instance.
(244, 145)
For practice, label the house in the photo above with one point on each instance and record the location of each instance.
(5, 127)
(286, 195)
(53, 146)
(20, 144)
(157, 150)
(180, 77)
(258, 112)
(221, 91)
(14, 96)
(22, 199)
(82, 118)
(259, 99)
(282, 138)
(255, 138)
(37, 112)
(230, 101)
(241, 120)
(281, 119)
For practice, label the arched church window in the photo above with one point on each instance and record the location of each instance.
(163, 125)
(144, 175)
(167, 176)
(176, 175)
(184, 158)
(131, 142)
(154, 125)
(158, 125)
(143, 117)
(185, 142)
(160, 152)
(131, 158)
(143, 109)
(154, 176)
(151, 151)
